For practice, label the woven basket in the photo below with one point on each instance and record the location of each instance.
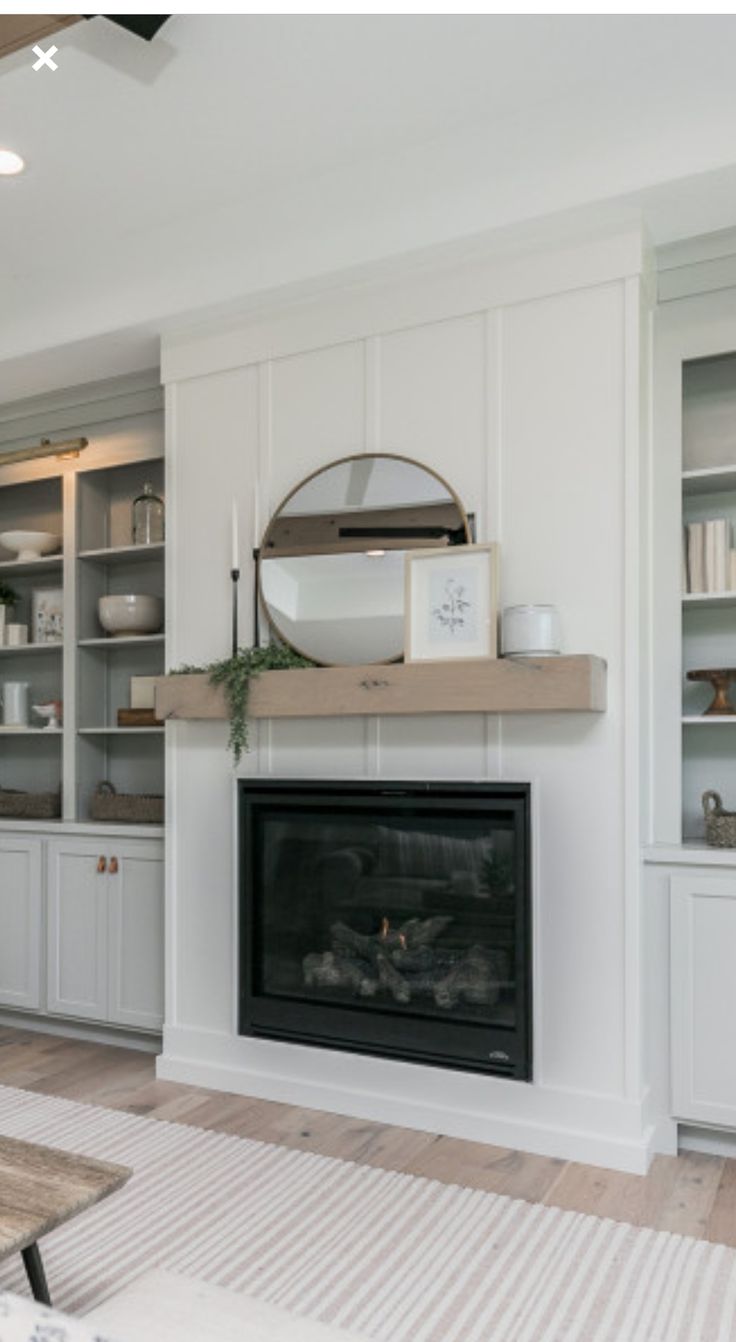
(720, 825)
(29, 805)
(125, 807)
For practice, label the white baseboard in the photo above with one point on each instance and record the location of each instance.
(591, 1129)
(90, 1032)
(662, 1138)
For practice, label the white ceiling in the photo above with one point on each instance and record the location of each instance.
(236, 153)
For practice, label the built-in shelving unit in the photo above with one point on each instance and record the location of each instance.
(87, 502)
(708, 618)
(32, 758)
(131, 758)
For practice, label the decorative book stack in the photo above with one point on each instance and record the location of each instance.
(709, 561)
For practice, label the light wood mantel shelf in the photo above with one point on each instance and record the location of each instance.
(550, 685)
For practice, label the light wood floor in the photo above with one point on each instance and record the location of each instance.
(692, 1194)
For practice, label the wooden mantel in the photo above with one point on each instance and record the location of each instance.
(548, 685)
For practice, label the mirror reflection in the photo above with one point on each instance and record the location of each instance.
(332, 560)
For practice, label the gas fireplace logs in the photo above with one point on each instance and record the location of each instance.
(406, 963)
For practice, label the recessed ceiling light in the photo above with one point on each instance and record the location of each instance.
(10, 163)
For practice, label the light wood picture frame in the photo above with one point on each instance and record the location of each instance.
(451, 603)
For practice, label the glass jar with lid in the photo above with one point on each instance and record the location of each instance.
(148, 518)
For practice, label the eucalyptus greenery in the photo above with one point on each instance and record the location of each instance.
(235, 675)
(7, 596)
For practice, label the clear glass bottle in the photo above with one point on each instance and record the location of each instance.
(148, 518)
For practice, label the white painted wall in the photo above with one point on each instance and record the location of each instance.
(521, 385)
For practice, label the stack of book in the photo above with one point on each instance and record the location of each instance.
(708, 559)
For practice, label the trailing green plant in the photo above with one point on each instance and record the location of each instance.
(7, 596)
(235, 674)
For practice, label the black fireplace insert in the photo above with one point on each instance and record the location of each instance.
(388, 918)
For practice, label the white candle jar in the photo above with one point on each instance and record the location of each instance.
(530, 631)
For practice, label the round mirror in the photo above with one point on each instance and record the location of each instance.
(331, 569)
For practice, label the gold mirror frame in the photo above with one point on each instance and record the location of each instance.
(359, 549)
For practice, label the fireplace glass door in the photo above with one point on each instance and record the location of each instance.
(388, 919)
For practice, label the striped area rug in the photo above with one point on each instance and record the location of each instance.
(385, 1255)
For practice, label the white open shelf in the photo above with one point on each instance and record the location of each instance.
(21, 567)
(690, 853)
(121, 731)
(136, 640)
(709, 480)
(31, 731)
(724, 600)
(712, 720)
(123, 554)
(23, 649)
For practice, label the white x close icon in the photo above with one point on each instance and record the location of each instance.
(44, 58)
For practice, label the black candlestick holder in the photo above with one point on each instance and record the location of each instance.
(235, 575)
(256, 598)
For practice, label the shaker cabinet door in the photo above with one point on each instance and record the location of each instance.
(78, 928)
(703, 1000)
(21, 895)
(136, 962)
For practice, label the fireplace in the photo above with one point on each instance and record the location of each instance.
(388, 918)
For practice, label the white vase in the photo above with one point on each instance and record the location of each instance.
(14, 695)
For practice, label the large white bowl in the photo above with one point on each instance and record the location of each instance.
(126, 616)
(30, 544)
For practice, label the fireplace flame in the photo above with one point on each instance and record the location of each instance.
(384, 928)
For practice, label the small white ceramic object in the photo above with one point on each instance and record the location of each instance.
(530, 631)
(16, 635)
(130, 615)
(49, 711)
(30, 545)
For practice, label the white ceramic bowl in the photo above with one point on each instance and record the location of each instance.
(126, 616)
(30, 544)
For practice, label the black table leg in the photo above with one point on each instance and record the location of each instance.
(36, 1275)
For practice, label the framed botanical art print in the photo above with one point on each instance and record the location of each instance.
(47, 615)
(451, 603)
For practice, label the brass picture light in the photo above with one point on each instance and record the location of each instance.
(71, 448)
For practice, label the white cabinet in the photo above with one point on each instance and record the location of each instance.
(21, 901)
(105, 930)
(703, 998)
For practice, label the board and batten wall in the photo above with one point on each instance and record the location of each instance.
(520, 382)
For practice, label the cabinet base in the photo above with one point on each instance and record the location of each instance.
(144, 1041)
(710, 1141)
